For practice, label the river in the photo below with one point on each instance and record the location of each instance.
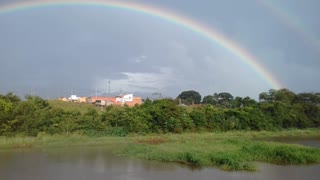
(79, 163)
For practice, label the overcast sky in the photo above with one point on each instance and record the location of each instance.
(56, 51)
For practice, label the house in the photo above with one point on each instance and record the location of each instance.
(124, 98)
(82, 99)
(73, 98)
(63, 99)
(120, 100)
(128, 99)
(93, 99)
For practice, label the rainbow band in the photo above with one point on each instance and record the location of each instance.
(291, 21)
(185, 22)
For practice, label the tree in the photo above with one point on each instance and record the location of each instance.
(209, 100)
(284, 95)
(166, 116)
(263, 97)
(5, 106)
(190, 97)
(237, 102)
(308, 98)
(225, 98)
(271, 95)
(11, 97)
(247, 102)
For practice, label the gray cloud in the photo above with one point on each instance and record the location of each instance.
(60, 50)
(139, 81)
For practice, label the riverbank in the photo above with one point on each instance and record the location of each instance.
(228, 150)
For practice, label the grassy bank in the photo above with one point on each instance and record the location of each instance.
(71, 106)
(228, 151)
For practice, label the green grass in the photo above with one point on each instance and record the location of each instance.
(71, 106)
(228, 151)
(58, 141)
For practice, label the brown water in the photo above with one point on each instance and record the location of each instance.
(98, 163)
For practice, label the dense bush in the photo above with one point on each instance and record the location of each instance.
(276, 110)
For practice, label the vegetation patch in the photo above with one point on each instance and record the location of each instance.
(281, 153)
(241, 127)
(230, 151)
(224, 150)
(23, 145)
(151, 140)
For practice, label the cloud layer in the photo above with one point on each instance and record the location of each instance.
(59, 50)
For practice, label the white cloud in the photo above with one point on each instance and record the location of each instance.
(139, 59)
(140, 81)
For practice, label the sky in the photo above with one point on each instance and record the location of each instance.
(64, 50)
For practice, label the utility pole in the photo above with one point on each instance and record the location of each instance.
(33, 92)
(109, 87)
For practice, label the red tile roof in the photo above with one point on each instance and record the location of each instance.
(136, 100)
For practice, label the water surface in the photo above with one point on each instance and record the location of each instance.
(83, 163)
(311, 142)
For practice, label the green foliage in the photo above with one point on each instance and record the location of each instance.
(190, 97)
(209, 100)
(199, 118)
(225, 150)
(277, 109)
(282, 154)
(214, 117)
(5, 106)
(284, 95)
(166, 116)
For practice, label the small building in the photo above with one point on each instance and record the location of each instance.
(120, 100)
(82, 99)
(128, 99)
(93, 99)
(64, 99)
(73, 98)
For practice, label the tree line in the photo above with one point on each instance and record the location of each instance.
(276, 109)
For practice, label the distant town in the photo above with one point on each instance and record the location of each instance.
(120, 100)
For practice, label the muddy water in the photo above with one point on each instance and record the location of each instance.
(98, 163)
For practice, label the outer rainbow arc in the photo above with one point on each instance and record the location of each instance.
(185, 22)
(291, 22)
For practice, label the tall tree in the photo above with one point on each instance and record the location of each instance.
(190, 97)
(247, 102)
(209, 100)
(225, 99)
(284, 95)
(263, 97)
(237, 102)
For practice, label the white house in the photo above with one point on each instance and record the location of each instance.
(73, 98)
(124, 98)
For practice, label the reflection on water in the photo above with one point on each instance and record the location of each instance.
(98, 163)
(312, 142)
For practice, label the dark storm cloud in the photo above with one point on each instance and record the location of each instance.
(63, 50)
